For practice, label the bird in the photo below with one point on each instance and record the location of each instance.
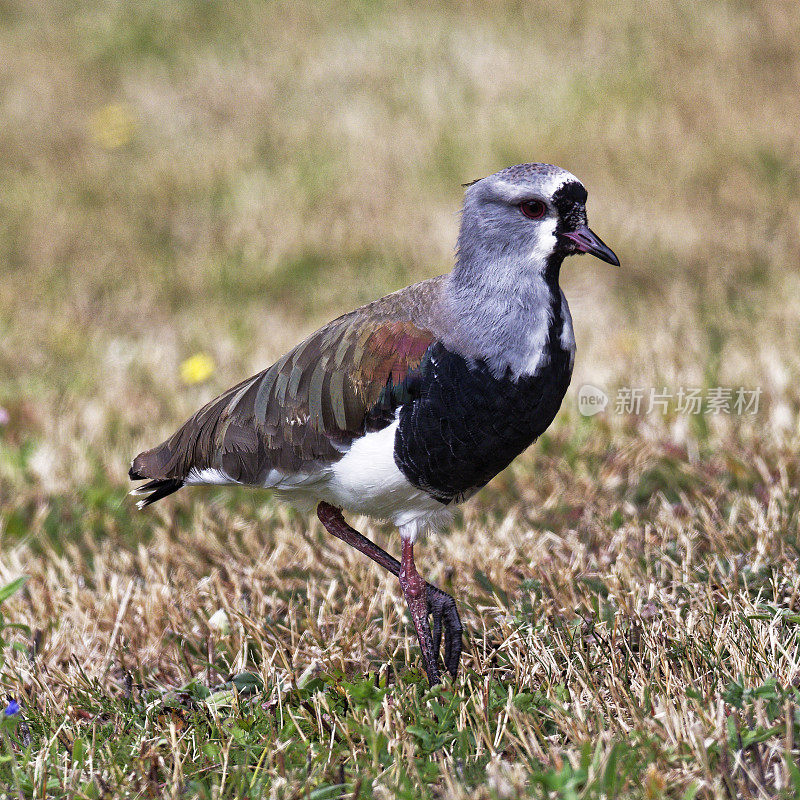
(407, 406)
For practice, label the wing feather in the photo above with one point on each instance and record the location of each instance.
(306, 409)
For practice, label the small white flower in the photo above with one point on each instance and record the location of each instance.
(219, 622)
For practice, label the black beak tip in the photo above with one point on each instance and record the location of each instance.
(585, 240)
(612, 258)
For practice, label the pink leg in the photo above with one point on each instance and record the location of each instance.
(434, 601)
(415, 592)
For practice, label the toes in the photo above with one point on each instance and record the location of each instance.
(433, 675)
(442, 607)
(430, 660)
(437, 633)
(453, 643)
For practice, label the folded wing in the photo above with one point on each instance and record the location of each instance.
(305, 410)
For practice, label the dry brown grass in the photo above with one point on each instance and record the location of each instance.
(629, 586)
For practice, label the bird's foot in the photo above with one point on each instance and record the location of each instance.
(423, 599)
(442, 609)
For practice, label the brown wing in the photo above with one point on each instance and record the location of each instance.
(307, 407)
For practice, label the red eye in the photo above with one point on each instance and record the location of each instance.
(533, 209)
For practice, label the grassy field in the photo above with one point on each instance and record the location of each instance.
(217, 179)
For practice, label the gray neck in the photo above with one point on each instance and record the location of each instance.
(501, 307)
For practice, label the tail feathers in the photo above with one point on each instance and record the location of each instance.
(163, 477)
(191, 447)
(155, 490)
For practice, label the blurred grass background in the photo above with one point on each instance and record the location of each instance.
(179, 176)
(205, 177)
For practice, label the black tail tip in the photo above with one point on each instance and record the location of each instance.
(155, 490)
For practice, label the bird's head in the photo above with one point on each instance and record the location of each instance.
(534, 214)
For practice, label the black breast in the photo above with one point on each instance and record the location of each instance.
(463, 425)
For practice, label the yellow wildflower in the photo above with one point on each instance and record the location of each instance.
(197, 368)
(112, 126)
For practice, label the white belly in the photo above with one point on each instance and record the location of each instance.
(366, 481)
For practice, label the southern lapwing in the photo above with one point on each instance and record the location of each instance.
(410, 404)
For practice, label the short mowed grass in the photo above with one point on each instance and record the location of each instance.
(213, 178)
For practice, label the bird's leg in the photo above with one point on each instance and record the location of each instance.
(415, 591)
(331, 517)
(438, 604)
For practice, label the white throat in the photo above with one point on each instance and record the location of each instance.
(545, 245)
(502, 309)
